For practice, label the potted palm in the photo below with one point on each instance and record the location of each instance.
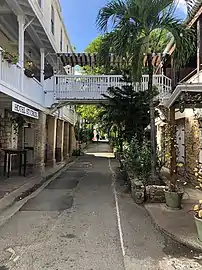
(198, 218)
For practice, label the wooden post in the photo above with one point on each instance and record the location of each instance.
(152, 122)
(173, 149)
(198, 49)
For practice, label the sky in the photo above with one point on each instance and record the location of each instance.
(80, 16)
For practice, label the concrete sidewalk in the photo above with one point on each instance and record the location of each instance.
(178, 224)
(16, 188)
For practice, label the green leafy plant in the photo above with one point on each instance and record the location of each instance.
(198, 210)
(137, 159)
(10, 57)
(76, 152)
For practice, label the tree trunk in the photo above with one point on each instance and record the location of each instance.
(120, 139)
(173, 150)
(152, 122)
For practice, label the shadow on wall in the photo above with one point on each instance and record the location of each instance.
(57, 156)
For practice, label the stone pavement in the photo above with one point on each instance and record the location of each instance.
(178, 224)
(80, 221)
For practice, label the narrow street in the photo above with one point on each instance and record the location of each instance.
(78, 222)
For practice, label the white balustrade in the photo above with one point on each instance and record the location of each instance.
(10, 74)
(92, 88)
(34, 90)
(10, 77)
(73, 87)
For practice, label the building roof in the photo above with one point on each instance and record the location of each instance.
(195, 12)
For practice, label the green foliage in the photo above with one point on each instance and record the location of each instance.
(89, 112)
(10, 57)
(127, 110)
(134, 24)
(76, 152)
(158, 39)
(83, 134)
(95, 45)
(137, 159)
(87, 70)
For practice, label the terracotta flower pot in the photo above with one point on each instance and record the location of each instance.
(173, 199)
(198, 222)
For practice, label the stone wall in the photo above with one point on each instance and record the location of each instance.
(40, 142)
(137, 190)
(165, 145)
(5, 136)
(192, 146)
(155, 194)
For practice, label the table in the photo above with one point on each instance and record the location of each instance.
(7, 159)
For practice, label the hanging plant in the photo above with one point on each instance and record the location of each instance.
(9, 57)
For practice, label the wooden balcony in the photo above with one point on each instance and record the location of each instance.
(90, 89)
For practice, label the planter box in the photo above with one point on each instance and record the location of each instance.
(137, 190)
(155, 194)
(199, 228)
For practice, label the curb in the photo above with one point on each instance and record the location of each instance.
(28, 189)
(17, 203)
(173, 236)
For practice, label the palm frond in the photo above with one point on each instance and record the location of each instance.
(114, 10)
(191, 4)
(134, 25)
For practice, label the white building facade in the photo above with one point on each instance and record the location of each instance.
(31, 33)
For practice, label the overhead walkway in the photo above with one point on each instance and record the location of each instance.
(90, 89)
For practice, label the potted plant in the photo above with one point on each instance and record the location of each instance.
(175, 191)
(9, 57)
(198, 219)
(173, 197)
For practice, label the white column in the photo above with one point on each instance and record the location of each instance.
(21, 40)
(42, 52)
(198, 49)
(0, 63)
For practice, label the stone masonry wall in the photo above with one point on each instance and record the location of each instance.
(40, 142)
(192, 146)
(165, 145)
(5, 136)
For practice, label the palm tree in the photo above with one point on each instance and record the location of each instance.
(132, 24)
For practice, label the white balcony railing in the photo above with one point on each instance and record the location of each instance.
(10, 77)
(91, 88)
(10, 74)
(33, 89)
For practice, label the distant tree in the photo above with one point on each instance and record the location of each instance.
(95, 45)
(89, 112)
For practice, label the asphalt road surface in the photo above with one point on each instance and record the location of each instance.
(83, 221)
